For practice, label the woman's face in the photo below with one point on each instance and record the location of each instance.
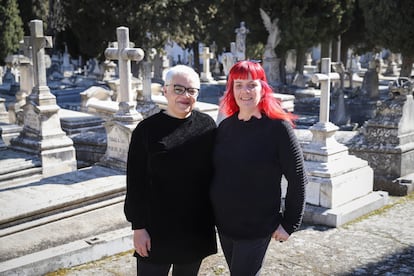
(247, 93)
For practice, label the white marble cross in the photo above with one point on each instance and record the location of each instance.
(206, 55)
(124, 54)
(325, 79)
(38, 43)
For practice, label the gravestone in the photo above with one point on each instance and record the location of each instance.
(145, 106)
(26, 83)
(387, 141)
(340, 185)
(4, 115)
(119, 128)
(42, 133)
(206, 74)
(363, 107)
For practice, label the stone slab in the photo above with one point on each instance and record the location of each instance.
(340, 215)
(52, 194)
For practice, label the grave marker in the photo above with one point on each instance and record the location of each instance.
(339, 184)
(119, 128)
(42, 133)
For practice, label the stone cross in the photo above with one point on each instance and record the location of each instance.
(39, 42)
(325, 80)
(124, 54)
(206, 56)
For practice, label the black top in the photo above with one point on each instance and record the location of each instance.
(250, 158)
(169, 172)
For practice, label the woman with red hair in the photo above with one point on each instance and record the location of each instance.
(255, 146)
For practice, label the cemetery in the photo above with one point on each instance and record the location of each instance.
(65, 127)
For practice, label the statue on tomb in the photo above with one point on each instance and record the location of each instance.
(274, 34)
(241, 34)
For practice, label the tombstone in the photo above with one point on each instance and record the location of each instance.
(145, 105)
(67, 67)
(270, 60)
(4, 115)
(26, 83)
(109, 70)
(124, 121)
(340, 185)
(158, 67)
(387, 141)
(363, 107)
(241, 34)
(228, 60)
(340, 115)
(206, 74)
(42, 133)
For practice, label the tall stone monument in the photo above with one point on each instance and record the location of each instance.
(119, 128)
(241, 34)
(340, 185)
(42, 133)
(270, 60)
(387, 141)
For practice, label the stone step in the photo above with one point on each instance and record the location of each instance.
(18, 168)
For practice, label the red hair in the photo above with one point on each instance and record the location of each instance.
(268, 104)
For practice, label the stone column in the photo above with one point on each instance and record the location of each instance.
(119, 128)
(206, 74)
(339, 184)
(42, 133)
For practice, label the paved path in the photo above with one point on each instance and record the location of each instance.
(379, 244)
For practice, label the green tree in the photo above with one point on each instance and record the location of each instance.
(33, 9)
(304, 24)
(11, 29)
(390, 25)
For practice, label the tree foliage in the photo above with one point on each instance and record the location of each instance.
(11, 28)
(390, 24)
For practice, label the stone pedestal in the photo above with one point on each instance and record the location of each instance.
(340, 185)
(271, 67)
(387, 143)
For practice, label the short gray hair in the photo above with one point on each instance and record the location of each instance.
(181, 70)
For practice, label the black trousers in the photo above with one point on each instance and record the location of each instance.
(150, 269)
(244, 257)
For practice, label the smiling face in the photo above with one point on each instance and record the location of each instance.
(180, 106)
(247, 93)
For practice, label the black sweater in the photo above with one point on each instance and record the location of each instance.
(250, 158)
(169, 172)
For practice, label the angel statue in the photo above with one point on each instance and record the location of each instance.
(274, 34)
(270, 60)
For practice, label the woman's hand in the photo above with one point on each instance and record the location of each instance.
(280, 234)
(142, 242)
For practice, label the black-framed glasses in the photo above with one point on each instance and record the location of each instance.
(180, 90)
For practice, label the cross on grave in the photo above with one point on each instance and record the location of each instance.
(119, 129)
(40, 92)
(206, 56)
(42, 133)
(124, 54)
(325, 79)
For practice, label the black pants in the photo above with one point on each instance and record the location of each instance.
(244, 257)
(150, 269)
